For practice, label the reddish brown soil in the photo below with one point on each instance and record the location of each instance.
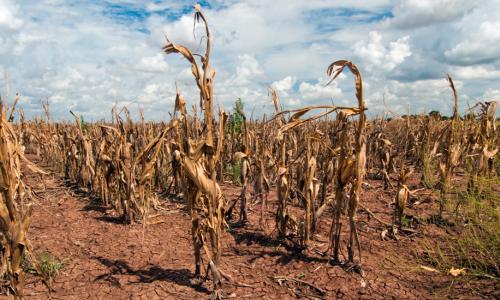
(104, 259)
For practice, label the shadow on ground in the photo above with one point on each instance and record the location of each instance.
(147, 275)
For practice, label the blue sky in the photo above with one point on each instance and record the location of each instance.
(87, 56)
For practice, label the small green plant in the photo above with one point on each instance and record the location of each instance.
(405, 222)
(234, 171)
(47, 265)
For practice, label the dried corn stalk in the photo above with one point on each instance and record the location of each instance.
(351, 166)
(402, 196)
(282, 217)
(261, 183)
(452, 151)
(198, 160)
(488, 137)
(14, 213)
(244, 157)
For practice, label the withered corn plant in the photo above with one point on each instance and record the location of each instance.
(428, 149)
(351, 166)
(311, 189)
(282, 216)
(402, 196)
(261, 186)
(403, 191)
(243, 157)
(14, 212)
(386, 158)
(176, 144)
(452, 151)
(199, 159)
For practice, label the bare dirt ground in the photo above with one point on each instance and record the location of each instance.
(104, 259)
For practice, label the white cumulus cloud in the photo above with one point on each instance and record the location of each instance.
(379, 56)
(483, 46)
(417, 13)
(319, 91)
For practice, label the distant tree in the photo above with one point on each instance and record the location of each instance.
(435, 114)
(235, 121)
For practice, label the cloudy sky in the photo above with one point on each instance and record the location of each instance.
(90, 55)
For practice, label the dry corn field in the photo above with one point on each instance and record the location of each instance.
(320, 202)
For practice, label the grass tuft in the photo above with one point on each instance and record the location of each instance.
(47, 265)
